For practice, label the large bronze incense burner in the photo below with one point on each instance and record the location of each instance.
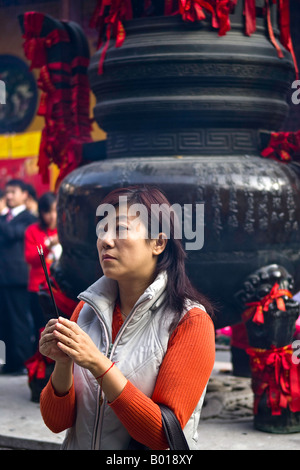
(188, 110)
(183, 108)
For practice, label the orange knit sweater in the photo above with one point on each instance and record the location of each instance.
(182, 377)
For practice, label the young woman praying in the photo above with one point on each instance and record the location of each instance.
(140, 336)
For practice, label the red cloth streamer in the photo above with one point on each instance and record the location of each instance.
(33, 23)
(271, 32)
(285, 34)
(193, 10)
(35, 47)
(275, 373)
(65, 97)
(36, 366)
(118, 11)
(283, 146)
(250, 17)
(222, 13)
(255, 310)
(112, 13)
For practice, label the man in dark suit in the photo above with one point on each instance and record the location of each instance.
(15, 320)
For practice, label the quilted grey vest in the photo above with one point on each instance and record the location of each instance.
(139, 349)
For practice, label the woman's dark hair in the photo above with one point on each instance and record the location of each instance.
(172, 259)
(44, 205)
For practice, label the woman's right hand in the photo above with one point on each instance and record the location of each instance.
(48, 344)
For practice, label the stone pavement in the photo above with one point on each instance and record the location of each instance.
(21, 424)
(226, 423)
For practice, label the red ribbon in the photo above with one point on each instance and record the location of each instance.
(256, 310)
(36, 365)
(64, 101)
(271, 32)
(193, 10)
(33, 23)
(223, 11)
(285, 34)
(52, 96)
(35, 47)
(119, 11)
(98, 13)
(80, 62)
(274, 372)
(250, 16)
(283, 146)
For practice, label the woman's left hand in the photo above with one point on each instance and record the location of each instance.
(77, 344)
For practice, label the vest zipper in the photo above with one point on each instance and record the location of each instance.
(109, 353)
(120, 332)
(108, 348)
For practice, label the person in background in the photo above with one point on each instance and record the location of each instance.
(32, 200)
(42, 233)
(3, 205)
(15, 319)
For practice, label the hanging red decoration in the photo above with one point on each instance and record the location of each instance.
(109, 16)
(65, 93)
(255, 310)
(250, 17)
(285, 33)
(283, 146)
(275, 374)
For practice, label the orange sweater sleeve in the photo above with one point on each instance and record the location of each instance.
(183, 375)
(59, 412)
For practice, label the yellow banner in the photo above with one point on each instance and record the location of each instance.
(5, 145)
(20, 145)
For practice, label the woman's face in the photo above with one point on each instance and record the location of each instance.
(126, 253)
(50, 218)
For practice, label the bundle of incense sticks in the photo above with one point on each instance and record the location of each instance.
(42, 258)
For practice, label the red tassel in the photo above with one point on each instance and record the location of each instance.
(256, 310)
(250, 16)
(274, 372)
(271, 32)
(285, 34)
(222, 9)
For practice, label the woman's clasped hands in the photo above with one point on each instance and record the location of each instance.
(64, 341)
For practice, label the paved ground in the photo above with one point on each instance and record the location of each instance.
(21, 424)
(227, 422)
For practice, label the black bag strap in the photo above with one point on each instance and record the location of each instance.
(173, 432)
(172, 428)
